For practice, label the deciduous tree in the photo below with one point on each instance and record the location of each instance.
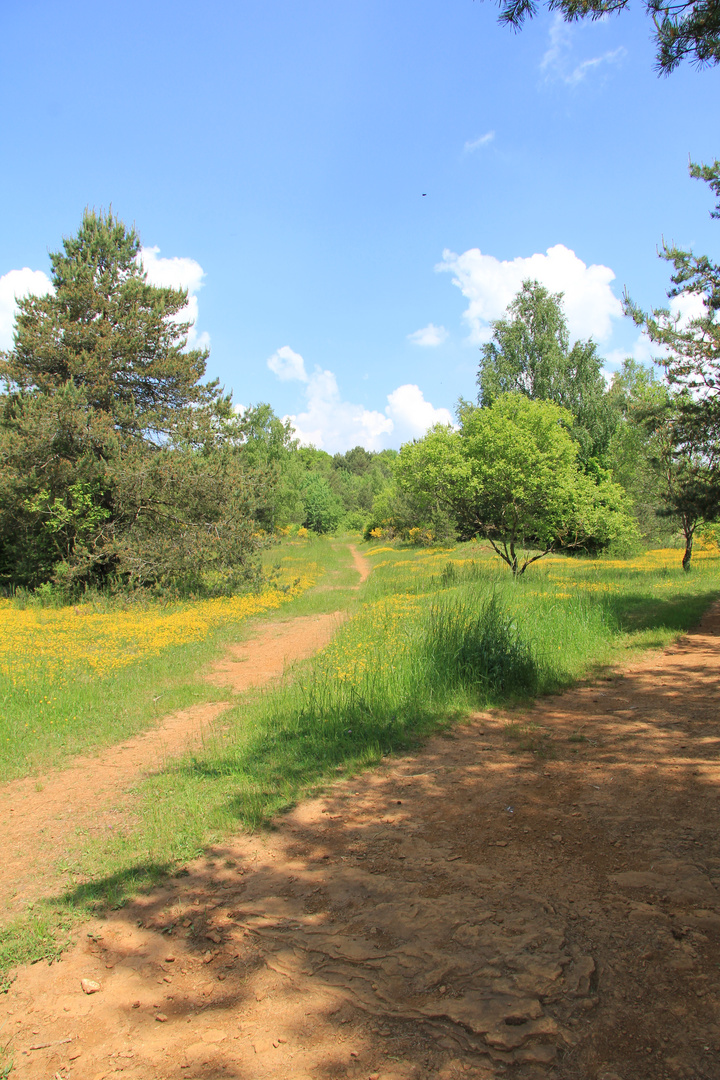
(530, 353)
(511, 474)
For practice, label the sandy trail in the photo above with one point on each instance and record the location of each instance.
(540, 901)
(40, 815)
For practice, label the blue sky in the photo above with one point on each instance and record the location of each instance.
(276, 154)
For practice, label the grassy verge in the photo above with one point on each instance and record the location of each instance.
(437, 633)
(79, 678)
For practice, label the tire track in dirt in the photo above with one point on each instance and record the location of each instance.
(39, 815)
(537, 901)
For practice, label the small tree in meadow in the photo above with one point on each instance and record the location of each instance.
(511, 474)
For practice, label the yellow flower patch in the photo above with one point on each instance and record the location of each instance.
(62, 642)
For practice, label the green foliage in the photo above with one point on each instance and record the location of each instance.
(511, 474)
(686, 426)
(267, 444)
(684, 29)
(114, 453)
(471, 645)
(402, 514)
(635, 393)
(690, 488)
(530, 354)
(323, 510)
(107, 331)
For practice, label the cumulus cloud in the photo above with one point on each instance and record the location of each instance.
(489, 285)
(411, 414)
(476, 144)
(333, 424)
(178, 273)
(429, 336)
(686, 307)
(14, 285)
(558, 63)
(641, 349)
(287, 365)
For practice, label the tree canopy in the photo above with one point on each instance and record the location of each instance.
(510, 474)
(530, 354)
(684, 29)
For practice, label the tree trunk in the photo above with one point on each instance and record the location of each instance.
(688, 551)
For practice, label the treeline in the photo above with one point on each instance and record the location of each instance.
(122, 468)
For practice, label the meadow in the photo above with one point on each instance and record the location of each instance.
(81, 677)
(435, 633)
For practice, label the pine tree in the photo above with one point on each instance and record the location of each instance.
(114, 458)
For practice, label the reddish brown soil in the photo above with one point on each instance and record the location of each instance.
(39, 814)
(526, 901)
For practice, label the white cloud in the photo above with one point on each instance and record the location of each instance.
(686, 307)
(288, 365)
(335, 425)
(178, 273)
(475, 144)
(411, 414)
(642, 350)
(429, 335)
(14, 285)
(557, 64)
(490, 284)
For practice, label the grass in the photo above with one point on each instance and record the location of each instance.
(78, 678)
(435, 634)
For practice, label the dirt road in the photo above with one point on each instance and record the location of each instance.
(534, 895)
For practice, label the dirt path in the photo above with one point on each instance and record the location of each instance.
(529, 901)
(39, 815)
(362, 565)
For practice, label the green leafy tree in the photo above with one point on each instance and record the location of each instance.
(690, 488)
(357, 461)
(684, 30)
(636, 393)
(688, 425)
(266, 442)
(323, 509)
(511, 474)
(111, 446)
(530, 354)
